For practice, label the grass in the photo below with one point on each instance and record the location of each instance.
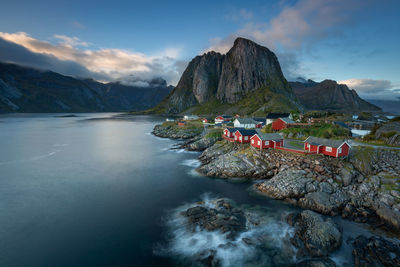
(214, 133)
(296, 144)
(324, 130)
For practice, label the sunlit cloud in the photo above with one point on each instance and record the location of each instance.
(373, 89)
(114, 63)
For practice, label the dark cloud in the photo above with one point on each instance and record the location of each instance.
(14, 53)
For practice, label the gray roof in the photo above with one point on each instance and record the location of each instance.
(232, 130)
(325, 142)
(269, 136)
(287, 120)
(246, 121)
(247, 132)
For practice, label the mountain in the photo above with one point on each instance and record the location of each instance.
(329, 95)
(24, 89)
(247, 80)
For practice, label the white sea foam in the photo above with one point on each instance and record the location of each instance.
(267, 240)
(194, 163)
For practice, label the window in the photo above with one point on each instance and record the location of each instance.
(252, 141)
(245, 138)
(328, 149)
(240, 138)
(258, 142)
(340, 150)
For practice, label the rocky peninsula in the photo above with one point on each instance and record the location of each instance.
(365, 187)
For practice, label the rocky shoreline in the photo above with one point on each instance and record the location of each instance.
(364, 188)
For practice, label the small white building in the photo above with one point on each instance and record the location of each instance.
(190, 117)
(245, 123)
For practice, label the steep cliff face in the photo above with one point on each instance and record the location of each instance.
(329, 95)
(249, 66)
(225, 82)
(198, 84)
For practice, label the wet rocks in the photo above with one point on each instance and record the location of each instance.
(326, 262)
(286, 184)
(222, 218)
(234, 160)
(375, 251)
(175, 132)
(314, 235)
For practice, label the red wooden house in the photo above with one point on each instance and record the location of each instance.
(244, 135)
(181, 123)
(281, 123)
(266, 140)
(230, 133)
(329, 147)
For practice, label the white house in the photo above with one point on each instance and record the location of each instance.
(190, 117)
(244, 123)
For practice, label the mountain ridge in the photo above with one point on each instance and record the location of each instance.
(331, 96)
(25, 89)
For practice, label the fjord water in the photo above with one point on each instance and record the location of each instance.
(96, 190)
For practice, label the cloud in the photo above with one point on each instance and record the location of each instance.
(70, 41)
(77, 24)
(297, 28)
(108, 63)
(373, 89)
(242, 14)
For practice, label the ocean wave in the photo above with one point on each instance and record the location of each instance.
(266, 241)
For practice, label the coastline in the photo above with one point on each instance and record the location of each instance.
(358, 188)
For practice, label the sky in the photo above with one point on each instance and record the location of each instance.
(355, 42)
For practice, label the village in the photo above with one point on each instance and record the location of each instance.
(266, 133)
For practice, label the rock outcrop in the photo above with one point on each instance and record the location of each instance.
(314, 235)
(375, 251)
(213, 79)
(223, 218)
(366, 189)
(329, 95)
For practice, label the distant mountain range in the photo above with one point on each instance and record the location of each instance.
(24, 89)
(248, 80)
(392, 106)
(329, 95)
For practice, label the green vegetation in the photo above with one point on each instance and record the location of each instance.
(296, 144)
(257, 103)
(324, 130)
(214, 133)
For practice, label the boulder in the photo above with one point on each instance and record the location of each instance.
(223, 218)
(375, 251)
(326, 262)
(314, 236)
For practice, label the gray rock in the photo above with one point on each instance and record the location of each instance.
(286, 184)
(315, 236)
(375, 251)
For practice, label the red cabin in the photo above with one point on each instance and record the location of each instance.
(329, 147)
(266, 140)
(230, 132)
(244, 135)
(281, 123)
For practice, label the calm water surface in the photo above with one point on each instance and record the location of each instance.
(86, 191)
